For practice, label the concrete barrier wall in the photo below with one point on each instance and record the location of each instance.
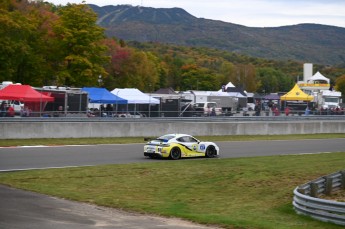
(28, 130)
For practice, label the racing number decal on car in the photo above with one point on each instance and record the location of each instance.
(202, 147)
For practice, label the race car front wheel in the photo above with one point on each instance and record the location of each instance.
(210, 151)
(175, 153)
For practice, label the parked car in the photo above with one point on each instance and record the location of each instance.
(17, 105)
(176, 146)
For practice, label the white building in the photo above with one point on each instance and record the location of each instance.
(319, 86)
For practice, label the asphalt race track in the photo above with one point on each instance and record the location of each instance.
(22, 209)
(18, 158)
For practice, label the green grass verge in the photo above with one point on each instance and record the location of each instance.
(234, 193)
(125, 140)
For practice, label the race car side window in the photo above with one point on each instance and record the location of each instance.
(186, 139)
(190, 139)
(181, 139)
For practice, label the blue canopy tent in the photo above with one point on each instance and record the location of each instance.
(102, 95)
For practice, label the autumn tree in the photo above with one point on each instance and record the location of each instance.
(340, 85)
(118, 57)
(143, 71)
(227, 70)
(12, 42)
(131, 68)
(173, 65)
(163, 72)
(81, 54)
(24, 29)
(194, 77)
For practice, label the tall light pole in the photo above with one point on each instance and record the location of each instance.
(149, 100)
(100, 80)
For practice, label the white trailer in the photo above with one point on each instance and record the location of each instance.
(226, 103)
(223, 99)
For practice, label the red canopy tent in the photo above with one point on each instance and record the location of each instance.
(23, 93)
(34, 100)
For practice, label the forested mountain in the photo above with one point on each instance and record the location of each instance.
(43, 44)
(313, 43)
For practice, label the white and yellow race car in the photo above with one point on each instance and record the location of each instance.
(176, 146)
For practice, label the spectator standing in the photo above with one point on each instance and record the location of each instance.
(275, 110)
(257, 109)
(3, 109)
(307, 111)
(213, 112)
(103, 112)
(109, 109)
(22, 112)
(10, 111)
(27, 111)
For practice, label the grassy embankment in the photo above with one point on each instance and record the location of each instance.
(235, 193)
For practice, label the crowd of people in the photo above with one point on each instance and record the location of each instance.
(7, 110)
(273, 110)
(330, 111)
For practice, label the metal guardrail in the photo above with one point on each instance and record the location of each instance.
(306, 201)
(239, 118)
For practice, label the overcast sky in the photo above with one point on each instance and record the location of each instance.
(255, 13)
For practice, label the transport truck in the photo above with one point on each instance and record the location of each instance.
(328, 99)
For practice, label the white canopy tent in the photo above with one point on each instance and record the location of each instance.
(134, 96)
(229, 85)
(233, 93)
(317, 77)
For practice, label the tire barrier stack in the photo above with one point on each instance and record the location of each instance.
(306, 201)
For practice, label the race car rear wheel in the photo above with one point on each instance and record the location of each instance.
(210, 151)
(175, 153)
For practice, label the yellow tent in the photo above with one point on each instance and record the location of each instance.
(296, 94)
